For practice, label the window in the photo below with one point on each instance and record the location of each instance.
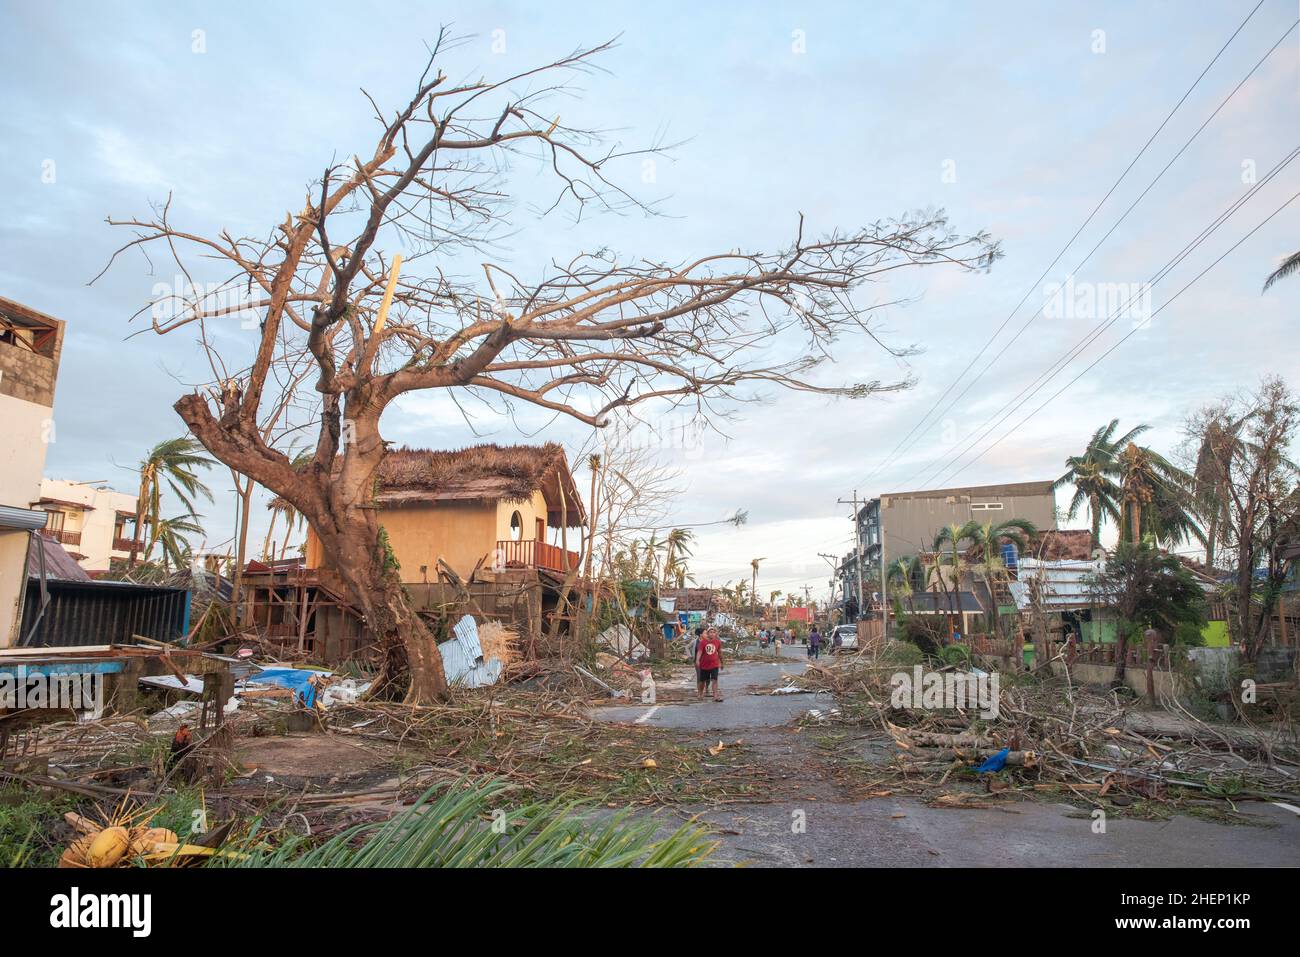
(516, 527)
(986, 506)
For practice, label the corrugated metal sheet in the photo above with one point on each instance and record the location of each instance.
(57, 562)
(1059, 584)
(24, 518)
(462, 658)
(101, 613)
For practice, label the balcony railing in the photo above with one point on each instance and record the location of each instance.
(124, 545)
(62, 536)
(534, 554)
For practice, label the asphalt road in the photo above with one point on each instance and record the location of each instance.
(816, 829)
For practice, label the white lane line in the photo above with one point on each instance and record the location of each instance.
(646, 717)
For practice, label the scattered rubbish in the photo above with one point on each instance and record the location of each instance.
(463, 660)
(994, 763)
(622, 642)
(301, 682)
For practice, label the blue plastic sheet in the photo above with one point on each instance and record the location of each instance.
(297, 680)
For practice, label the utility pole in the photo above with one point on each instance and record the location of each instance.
(838, 580)
(857, 544)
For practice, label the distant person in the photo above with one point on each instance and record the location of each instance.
(708, 662)
(814, 643)
(693, 645)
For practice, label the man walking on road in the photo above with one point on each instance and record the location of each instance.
(814, 643)
(708, 662)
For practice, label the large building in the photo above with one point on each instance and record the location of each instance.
(902, 524)
(94, 524)
(30, 343)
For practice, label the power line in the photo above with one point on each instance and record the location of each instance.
(1126, 337)
(1008, 408)
(893, 454)
(1115, 226)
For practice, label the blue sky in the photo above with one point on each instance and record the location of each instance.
(883, 99)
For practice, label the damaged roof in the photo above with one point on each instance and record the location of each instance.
(59, 565)
(488, 472)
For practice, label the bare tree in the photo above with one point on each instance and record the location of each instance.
(1257, 498)
(584, 338)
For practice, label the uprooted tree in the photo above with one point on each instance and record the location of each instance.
(587, 338)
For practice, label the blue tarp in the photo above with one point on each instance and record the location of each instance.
(297, 680)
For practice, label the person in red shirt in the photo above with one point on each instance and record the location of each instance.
(708, 662)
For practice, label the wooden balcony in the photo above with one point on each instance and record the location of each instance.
(62, 536)
(124, 545)
(535, 554)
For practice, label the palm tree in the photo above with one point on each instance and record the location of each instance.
(1219, 445)
(173, 463)
(1288, 266)
(677, 547)
(951, 537)
(905, 575)
(1154, 491)
(753, 585)
(990, 537)
(1094, 476)
(171, 538)
(293, 520)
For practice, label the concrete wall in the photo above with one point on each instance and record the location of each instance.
(97, 525)
(1214, 666)
(911, 521)
(1167, 684)
(13, 579)
(26, 427)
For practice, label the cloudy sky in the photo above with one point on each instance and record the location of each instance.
(1017, 118)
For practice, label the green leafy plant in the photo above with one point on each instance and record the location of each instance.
(456, 826)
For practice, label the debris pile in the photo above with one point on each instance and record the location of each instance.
(1051, 735)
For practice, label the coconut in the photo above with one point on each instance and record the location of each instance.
(76, 854)
(108, 847)
(146, 841)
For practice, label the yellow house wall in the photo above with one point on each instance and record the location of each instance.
(460, 533)
(529, 511)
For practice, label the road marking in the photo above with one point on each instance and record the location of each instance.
(646, 717)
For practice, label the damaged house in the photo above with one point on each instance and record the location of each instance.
(489, 530)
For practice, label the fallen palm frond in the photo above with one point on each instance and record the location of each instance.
(1084, 742)
(451, 826)
(545, 745)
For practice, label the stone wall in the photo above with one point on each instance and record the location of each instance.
(28, 376)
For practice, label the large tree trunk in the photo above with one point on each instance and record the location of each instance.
(408, 650)
(338, 503)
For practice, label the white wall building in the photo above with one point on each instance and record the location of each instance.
(30, 343)
(93, 523)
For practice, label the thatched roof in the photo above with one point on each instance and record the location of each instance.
(511, 473)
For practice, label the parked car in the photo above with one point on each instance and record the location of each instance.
(848, 636)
